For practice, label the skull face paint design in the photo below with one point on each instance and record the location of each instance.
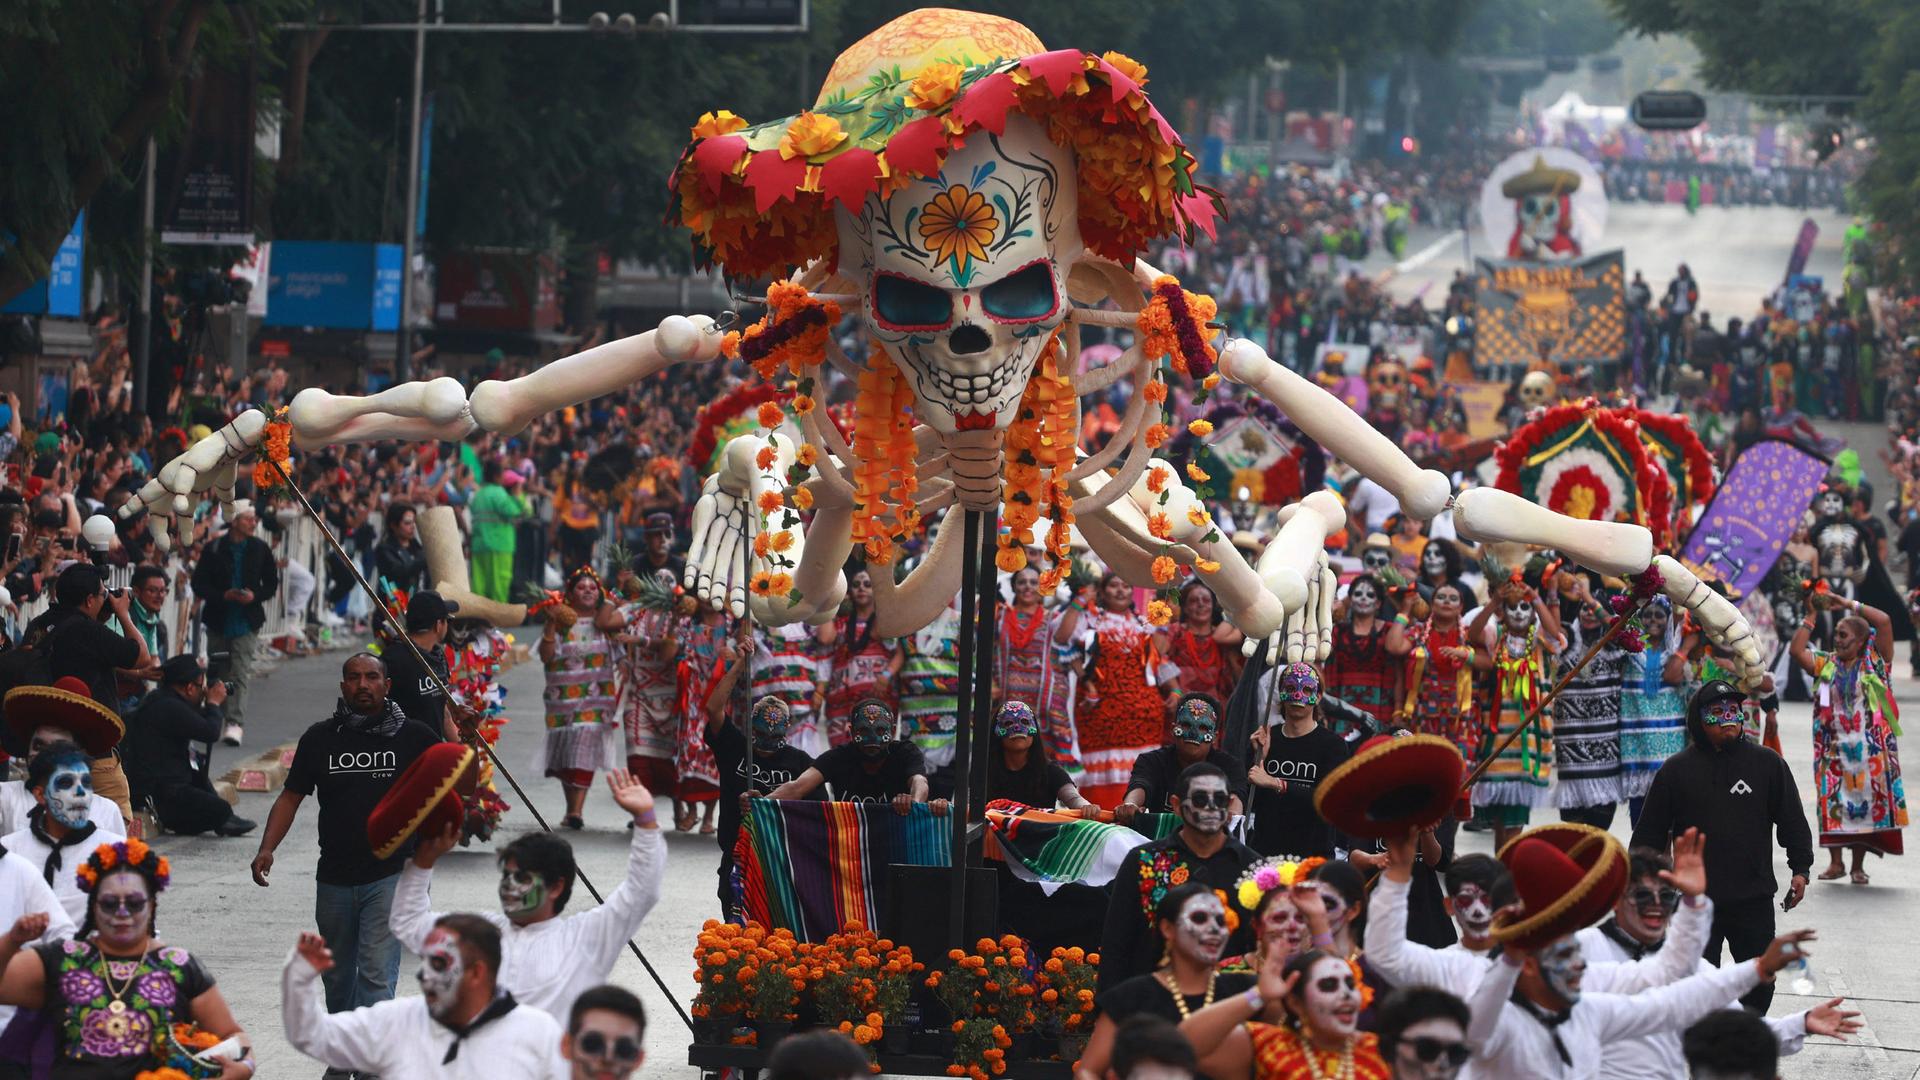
(441, 968)
(1299, 685)
(1015, 719)
(770, 719)
(1562, 967)
(1196, 721)
(70, 796)
(1518, 615)
(1200, 933)
(1832, 504)
(1433, 559)
(1376, 559)
(1204, 810)
(1281, 924)
(123, 911)
(963, 274)
(1330, 996)
(1363, 598)
(1472, 911)
(521, 891)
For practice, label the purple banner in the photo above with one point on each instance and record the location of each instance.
(1764, 147)
(1741, 532)
(1802, 248)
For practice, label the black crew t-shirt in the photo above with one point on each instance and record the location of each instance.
(742, 770)
(417, 694)
(1155, 771)
(1285, 822)
(1037, 783)
(851, 782)
(350, 771)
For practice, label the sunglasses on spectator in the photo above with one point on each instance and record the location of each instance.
(132, 904)
(1643, 897)
(596, 1044)
(1430, 1050)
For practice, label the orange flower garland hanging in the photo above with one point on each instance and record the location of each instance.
(884, 475)
(278, 447)
(793, 332)
(1039, 454)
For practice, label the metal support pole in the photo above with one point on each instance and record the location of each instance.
(143, 318)
(403, 341)
(982, 685)
(958, 811)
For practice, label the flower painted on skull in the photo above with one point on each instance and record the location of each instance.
(958, 224)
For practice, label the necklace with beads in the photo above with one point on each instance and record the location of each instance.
(1172, 984)
(1344, 1071)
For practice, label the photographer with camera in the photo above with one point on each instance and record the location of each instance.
(168, 743)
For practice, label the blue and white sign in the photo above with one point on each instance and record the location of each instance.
(341, 286)
(62, 292)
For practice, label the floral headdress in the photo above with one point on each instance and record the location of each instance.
(1279, 872)
(127, 854)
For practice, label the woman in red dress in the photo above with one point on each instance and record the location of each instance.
(863, 666)
(1120, 712)
(1301, 1023)
(1364, 668)
(1439, 681)
(1203, 645)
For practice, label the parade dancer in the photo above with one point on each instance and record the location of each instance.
(787, 665)
(1196, 735)
(1364, 667)
(649, 693)
(753, 763)
(1300, 1022)
(1120, 714)
(862, 665)
(1586, 719)
(1517, 781)
(1289, 758)
(1439, 680)
(59, 834)
(577, 651)
(1027, 668)
(1653, 706)
(696, 774)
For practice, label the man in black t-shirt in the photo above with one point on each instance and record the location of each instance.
(75, 641)
(1196, 728)
(350, 760)
(417, 693)
(658, 554)
(1291, 758)
(875, 767)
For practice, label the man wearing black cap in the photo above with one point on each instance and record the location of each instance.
(1737, 792)
(166, 751)
(658, 554)
(418, 693)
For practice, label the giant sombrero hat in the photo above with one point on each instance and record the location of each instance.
(759, 198)
(66, 704)
(1568, 877)
(1587, 462)
(428, 794)
(1541, 179)
(1393, 784)
(447, 569)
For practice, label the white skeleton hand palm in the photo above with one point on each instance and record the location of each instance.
(208, 465)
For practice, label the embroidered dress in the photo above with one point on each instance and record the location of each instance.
(1279, 1053)
(1522, 773)
(1360, 672)
(580, 699)
(1025, 670)
(786, 665)
(1653, 721)
(693, 762)
(1120, 715)
(860, 664)
(650, 687)
(1203, 664)
(114, 1016)
(930, 688)
(1440, 687)
(1586, 726)
(1856, 760)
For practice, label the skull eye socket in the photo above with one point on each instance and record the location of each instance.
(901, 303)
(1026, 295)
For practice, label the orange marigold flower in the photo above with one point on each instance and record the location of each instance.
(1157, 479)
(1159, 613)
(1157, 436)
(1206, 566)
(1011, 559)
(1197, 516)
(762, 545)
(1163, 569)
(712, 124)
(802, 405)
(1155, 391)
(770, 415)
(782, 541)
(781, 585)
(802, 499)
(806, 455)
(810, 135)
(1210, 381)
(766, 457)
(1197, 474)
(934, 86)
(1202, 428)
(771, 501)
(1159, 525)
(1128, 66)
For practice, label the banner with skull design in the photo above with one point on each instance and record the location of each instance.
(1564, 314)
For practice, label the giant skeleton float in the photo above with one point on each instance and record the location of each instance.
(979, 199)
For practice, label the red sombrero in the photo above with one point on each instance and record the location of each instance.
(1394, 783)
(1568, 877)
(66, 704)
(428, 794)
(759, 198)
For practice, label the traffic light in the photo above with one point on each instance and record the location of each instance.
(1668, 110)
(1409, 144)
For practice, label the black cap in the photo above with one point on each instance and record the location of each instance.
(1710, 692)
(426, 608)
(181, 670)
(659, 522)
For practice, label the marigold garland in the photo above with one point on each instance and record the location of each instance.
(1173, 325)
(884, 473)
(278, 447)
(1040, 451)
(793, 332)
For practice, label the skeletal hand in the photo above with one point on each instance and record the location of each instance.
(207, 465)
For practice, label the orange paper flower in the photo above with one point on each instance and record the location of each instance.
(1206, 566)
(810, 135)
(1157, 479)
(802, 405)
(934, 86)
(806, 455)
(1155, 391)
(1202, 428)
(1157, 436)
(718, 123)
(771, 501)
(958, 224)
(802, 498)
(771, 415)
(1197, 474)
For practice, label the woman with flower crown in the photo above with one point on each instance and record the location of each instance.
(121, 1002)
(1299, 1022)
(1283, 904)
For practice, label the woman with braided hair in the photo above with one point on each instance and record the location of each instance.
(114, 993)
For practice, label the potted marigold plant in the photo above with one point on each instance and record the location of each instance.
(892, 987)
(990, 984)
(722, 952)
(773, 986)
(1065, 1007)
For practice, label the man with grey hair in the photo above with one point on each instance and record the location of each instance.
(235, 579)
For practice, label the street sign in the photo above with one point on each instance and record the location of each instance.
(1668, 110)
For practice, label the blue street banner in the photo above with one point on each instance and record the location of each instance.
(331, 285)
(1742, 531)
(62, 292)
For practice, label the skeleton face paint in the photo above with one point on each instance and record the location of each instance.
(123, 911)
(963, 274)
(70, 796)
(1337, 910)
(522, 892)
(441, 968)
(1204, 810)
(1433, 559)
(1472, 911)
(1195, 721)
(1363, 598)
(1376, 559)
(1831, 504)
(607, 1046)
(1330, 996)
(771, 719)
(1282, 926)
(1015, 719)
(1201, 931)
(1645, 908)
(872, 727)
(1518, 615)
(1562, 966)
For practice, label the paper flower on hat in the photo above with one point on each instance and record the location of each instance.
(1279, 872)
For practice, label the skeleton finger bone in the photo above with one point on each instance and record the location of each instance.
(1722, 622)
(1489, 515)
(170, 495)
(1295, 550)
(507, 407)
(1329, 585)
(1324, 418)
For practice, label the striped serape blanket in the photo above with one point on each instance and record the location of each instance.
(1055, 849)
(812, 867)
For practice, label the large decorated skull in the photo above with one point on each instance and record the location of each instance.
(1537, 389)
(962, 275)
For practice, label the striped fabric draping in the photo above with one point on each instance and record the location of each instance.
(812, 867)
(1055, 849)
